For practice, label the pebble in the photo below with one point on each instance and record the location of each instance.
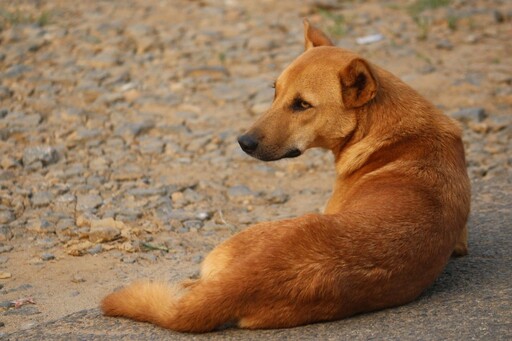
(239, 191)
(444, 44)
(41, 199)
(5, 233)
(95, 249)
(47, 256)
(77, 278)
(5, 275)
(129, 259)
(25, 310)
(88, 202)
(6, 248)
(102, 234)
(45, 154)
(6, 216)
(469, 115)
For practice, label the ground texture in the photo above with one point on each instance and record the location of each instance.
(118, 153)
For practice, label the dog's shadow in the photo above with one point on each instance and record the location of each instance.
(487, 265)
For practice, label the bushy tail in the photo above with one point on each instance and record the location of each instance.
(195, 309)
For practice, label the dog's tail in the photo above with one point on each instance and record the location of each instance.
(198, 308)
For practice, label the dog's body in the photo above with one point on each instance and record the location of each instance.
(397, 213)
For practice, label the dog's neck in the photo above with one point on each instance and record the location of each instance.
(377, 123)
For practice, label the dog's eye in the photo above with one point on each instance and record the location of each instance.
(300, 105)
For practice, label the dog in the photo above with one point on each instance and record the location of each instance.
(397, 213)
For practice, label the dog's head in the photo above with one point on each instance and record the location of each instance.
(315, 102)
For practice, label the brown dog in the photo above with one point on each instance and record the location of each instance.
(398, 210)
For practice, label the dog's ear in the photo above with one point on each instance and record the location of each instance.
(358, 83)
(314, 37)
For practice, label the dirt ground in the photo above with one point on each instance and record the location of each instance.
(118, 126)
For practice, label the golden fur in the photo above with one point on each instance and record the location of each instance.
(397, 212)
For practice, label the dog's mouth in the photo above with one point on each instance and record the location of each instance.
(270, 157)
(292, 153)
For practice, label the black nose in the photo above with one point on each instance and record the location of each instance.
(248, 143)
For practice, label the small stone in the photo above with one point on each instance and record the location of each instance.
(25, 310)
(88, 202)
(203, 215)
(40, 199)
(5, 92)
(16, 70)
(95, 249)
(8, 162)
(444, 44)
(131, 130)
(5, 275)
(151, 145)
(6, 248)
(129, 259)
(130, 172)
(147, 192)
(40, 225)
(45, 154)
(239, 191)
(193, 224)
(6, 216)
(47, 256)
(278, 197)
(469, 115)
(77, 278)
(102, 234)
(5, 233)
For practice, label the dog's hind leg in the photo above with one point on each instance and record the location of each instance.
(461, 247)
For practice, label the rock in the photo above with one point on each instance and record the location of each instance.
(147, 192)
(5, 93)
(129, 172)
(6, 248)
(239, 191)
(6, 216)
(103, 234)
(5, 275)
(77, 278)
(151, 145)
(277, 197)
(131, 130)
(9, 162)
(193, 224)
(129, 259)
(444, 44)
(16, 71)
(144, 36)
(469, 115)
(25, 310)
(95, 249)
(45, 154)
(88, 202)
(40, 225)
(260, 43)
(40, 199)
(47, 256)
(5, 233)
